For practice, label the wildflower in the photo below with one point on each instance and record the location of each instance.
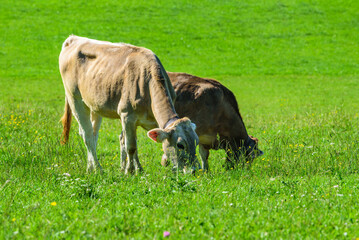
(67, 174)
(14, 219)
(166, 234)
(53, 204)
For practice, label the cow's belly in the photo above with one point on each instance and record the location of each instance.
(107, 113)
(101, 100)
(207, 139)
(146, 121)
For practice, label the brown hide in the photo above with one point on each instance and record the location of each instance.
(214, 110)
(210, 105)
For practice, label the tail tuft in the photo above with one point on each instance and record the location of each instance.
(66, 123)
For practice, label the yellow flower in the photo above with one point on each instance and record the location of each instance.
(53, 204)
(14, 219)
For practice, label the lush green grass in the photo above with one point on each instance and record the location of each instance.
(294, 67)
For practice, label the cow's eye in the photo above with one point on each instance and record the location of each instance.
(180, 146)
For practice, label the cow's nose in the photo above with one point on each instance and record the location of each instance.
(260, 152)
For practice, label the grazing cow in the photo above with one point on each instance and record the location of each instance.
(214, 110)
(117, 80)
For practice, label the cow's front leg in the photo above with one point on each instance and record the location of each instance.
(204, 152)
(164, 160)
(123, 151)
(129, 131)
(138, 166)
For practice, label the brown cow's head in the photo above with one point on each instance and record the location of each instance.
(179, 141)
(251, 146)
(239, 148)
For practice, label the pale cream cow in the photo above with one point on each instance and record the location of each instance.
(117, 80)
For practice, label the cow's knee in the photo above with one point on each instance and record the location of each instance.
(131, 150)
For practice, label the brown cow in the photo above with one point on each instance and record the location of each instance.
(214, 110)
(117, 80)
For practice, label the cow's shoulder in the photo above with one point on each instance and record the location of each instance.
(191, 87)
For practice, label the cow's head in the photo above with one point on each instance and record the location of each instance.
(179, 141)
(243, 148)
(251, 147)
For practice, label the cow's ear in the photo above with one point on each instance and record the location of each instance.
(193, 126)
(157, 135)
(254, 139)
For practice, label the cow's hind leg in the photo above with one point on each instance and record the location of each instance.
(96, 124)
(82, 114)
(129, 131)
(204, 152)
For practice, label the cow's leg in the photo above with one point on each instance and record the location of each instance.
(123, 151)
(204, 152)
(96, 124)
(82, 115)
(129, 131)
(164, 160)
(138, 166)
(231, 161)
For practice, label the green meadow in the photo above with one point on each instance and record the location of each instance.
(294, 68)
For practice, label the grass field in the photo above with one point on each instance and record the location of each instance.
(294, 68)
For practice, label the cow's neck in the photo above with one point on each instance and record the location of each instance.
(169, 122)
(241, 129)
(161, 104)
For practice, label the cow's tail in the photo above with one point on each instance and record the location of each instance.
(66, 122)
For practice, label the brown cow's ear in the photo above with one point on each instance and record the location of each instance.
(157, 135)
(254, 139)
